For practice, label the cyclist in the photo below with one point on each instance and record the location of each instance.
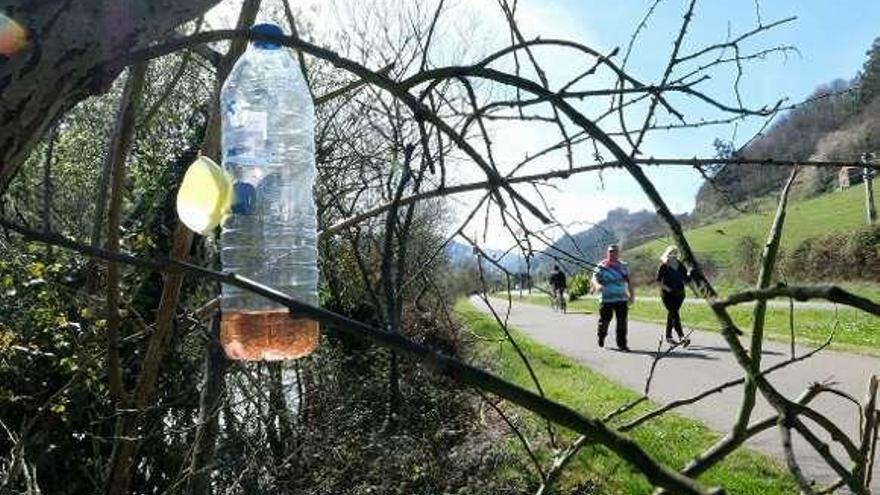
(557, 286)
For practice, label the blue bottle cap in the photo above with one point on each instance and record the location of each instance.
(267, 29)
(244, 199)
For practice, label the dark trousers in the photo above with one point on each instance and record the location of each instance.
(673, 302)
(619, 310)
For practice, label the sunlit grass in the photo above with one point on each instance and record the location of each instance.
(671, 439)
(837, 211)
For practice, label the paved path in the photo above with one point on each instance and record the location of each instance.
(706, 363)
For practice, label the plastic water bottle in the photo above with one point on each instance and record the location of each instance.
(268, 146)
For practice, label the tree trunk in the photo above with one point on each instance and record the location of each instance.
(120, 144)
(74, 51)
(125, 449)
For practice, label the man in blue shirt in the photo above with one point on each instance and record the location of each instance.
(611, 280)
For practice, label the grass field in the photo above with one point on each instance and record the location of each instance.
(837, 211)
(856, 331)
(672, 439)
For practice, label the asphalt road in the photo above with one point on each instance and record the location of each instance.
(706, 363)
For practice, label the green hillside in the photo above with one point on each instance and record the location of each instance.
(837, 211)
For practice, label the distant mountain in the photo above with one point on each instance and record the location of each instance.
(460, 254)
(579, 251)
(576, 252)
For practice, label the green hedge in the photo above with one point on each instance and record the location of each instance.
(852, 255)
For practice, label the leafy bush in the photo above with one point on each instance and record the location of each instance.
(747, 256)
(47, 338)
(863, 252)
(579, 285)
(836, 256)
(642, 267)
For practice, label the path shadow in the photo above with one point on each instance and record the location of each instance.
(579, 313)
(677, 354)
(713, 348)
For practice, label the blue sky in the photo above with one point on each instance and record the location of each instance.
(830, 37)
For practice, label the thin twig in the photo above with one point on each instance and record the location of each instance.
(719, 388)
(793, 466)
(626, 448)
(802, 293)
(519, 435)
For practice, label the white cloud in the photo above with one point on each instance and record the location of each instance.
(575, 203)
(481, 25)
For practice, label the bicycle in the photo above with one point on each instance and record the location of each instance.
(557, 301)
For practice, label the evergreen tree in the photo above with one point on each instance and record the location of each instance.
(869, 79)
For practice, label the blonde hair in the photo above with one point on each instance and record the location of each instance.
(669, 250)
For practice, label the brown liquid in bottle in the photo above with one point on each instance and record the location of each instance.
(269, 335)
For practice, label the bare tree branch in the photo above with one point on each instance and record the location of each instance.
(717, 389)
(124, 450)
(519, 435)
(791, 462)
(768, 262)
(830, 293)
(116, 157)
(627, 449)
